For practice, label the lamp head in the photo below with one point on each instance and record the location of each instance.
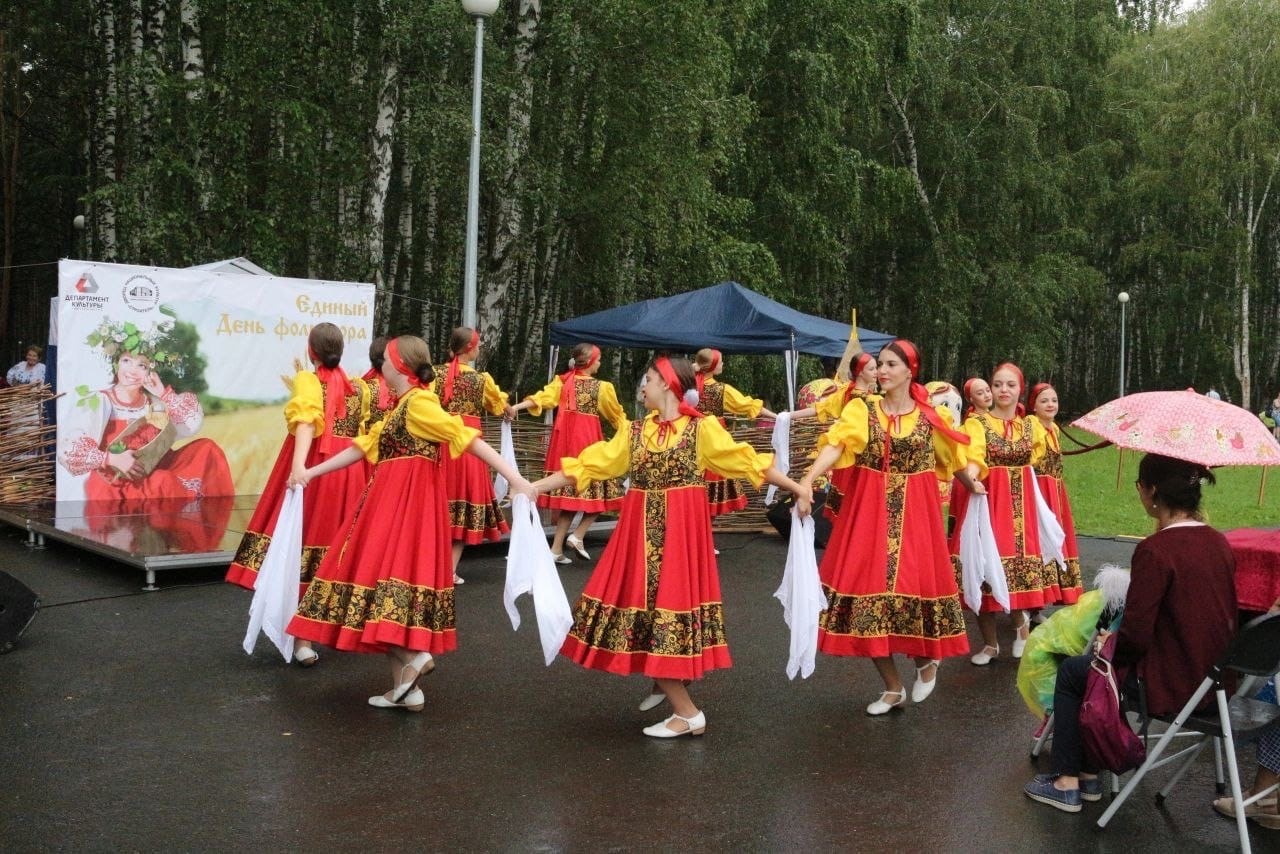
(480, 8)
(1123, 297)
(78, 222)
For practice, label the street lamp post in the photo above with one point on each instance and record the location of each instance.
(1123, 299)
(478, 10)
(78, 224)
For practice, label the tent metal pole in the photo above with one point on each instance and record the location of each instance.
(793, 365)
(551, 372)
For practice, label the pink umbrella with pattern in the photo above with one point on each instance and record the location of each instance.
(1185, 425)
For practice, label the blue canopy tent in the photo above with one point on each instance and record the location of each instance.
(727, 316)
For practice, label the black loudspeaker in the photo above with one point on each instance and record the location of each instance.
(18, 606)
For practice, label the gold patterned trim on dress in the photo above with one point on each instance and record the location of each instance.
(476, 518)
(723, 491)
(351, 606)
(252, 550)
(655, 538)
(311, 558)
(895, 499)
(349, 424)
(886, 614)
(648, 631)
(396, 440)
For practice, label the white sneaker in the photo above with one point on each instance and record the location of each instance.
(561, 558)
(458, 579)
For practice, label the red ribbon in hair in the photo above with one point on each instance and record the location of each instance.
(700, 376)
(1019, 410)
(336, 389)
(663, 366)
(859, 364)
(393, 356)
(455, 367)
(568, 396)
(921, 396)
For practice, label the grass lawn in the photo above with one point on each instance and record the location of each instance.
(1102, 510)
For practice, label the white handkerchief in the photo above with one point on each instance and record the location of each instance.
(801, 597)
(1052, 536)
(532, 569)
(781, 441)
(980, 556)
(508, 452)
(275, 591)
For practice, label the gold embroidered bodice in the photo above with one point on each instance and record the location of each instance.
(1012, 453)
(397, 441)
(674, 467)
(468, 392)
(909, 454)
(587, 392)
(348, 426)
(711, 400)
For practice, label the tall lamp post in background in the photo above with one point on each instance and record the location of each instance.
(1123, 298)
(478, 10)
(78, 224)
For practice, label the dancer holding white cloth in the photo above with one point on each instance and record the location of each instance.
(886, 572)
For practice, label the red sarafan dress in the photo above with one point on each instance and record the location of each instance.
(388, 581)
(719, 399)
(474, 515)
(887, 571)
(194, 471)
(326, 504)
(829, 409)
(1007, 450)
(1054, 489)
(652, 606)
(580, 408)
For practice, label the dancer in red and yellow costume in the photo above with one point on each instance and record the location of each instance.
(652, 606)
(886, 570)
(719, 399)
(323, 416)
(865, 372)
(387, 586)
(474, 515)
(381, 400)
(1044, 406)
(1004, 446)
(582, 400)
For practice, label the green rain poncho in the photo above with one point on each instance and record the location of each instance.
(1064, 634)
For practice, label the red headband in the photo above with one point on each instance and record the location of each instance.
(861, 362)
(968, 387)
(1037, 390)
(393, 356)
(455, 366)
(663, 366)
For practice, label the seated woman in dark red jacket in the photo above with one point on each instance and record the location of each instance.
(1179, 617)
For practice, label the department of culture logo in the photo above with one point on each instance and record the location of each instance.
(85, 284)
(141, 293)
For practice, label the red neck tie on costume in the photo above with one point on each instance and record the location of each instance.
(336, 390)
(455, 367)
(568, 393)
(665, 428)
(393, 354)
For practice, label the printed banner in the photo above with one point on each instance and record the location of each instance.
(173, 381)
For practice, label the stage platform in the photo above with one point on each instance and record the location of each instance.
(153, 535)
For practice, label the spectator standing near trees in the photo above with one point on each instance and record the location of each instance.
(30, 371)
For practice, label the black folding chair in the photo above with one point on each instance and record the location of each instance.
(1254, 654)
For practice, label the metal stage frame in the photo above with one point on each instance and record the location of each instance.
(155, 534)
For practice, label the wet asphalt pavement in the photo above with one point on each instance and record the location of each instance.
(134, 721)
